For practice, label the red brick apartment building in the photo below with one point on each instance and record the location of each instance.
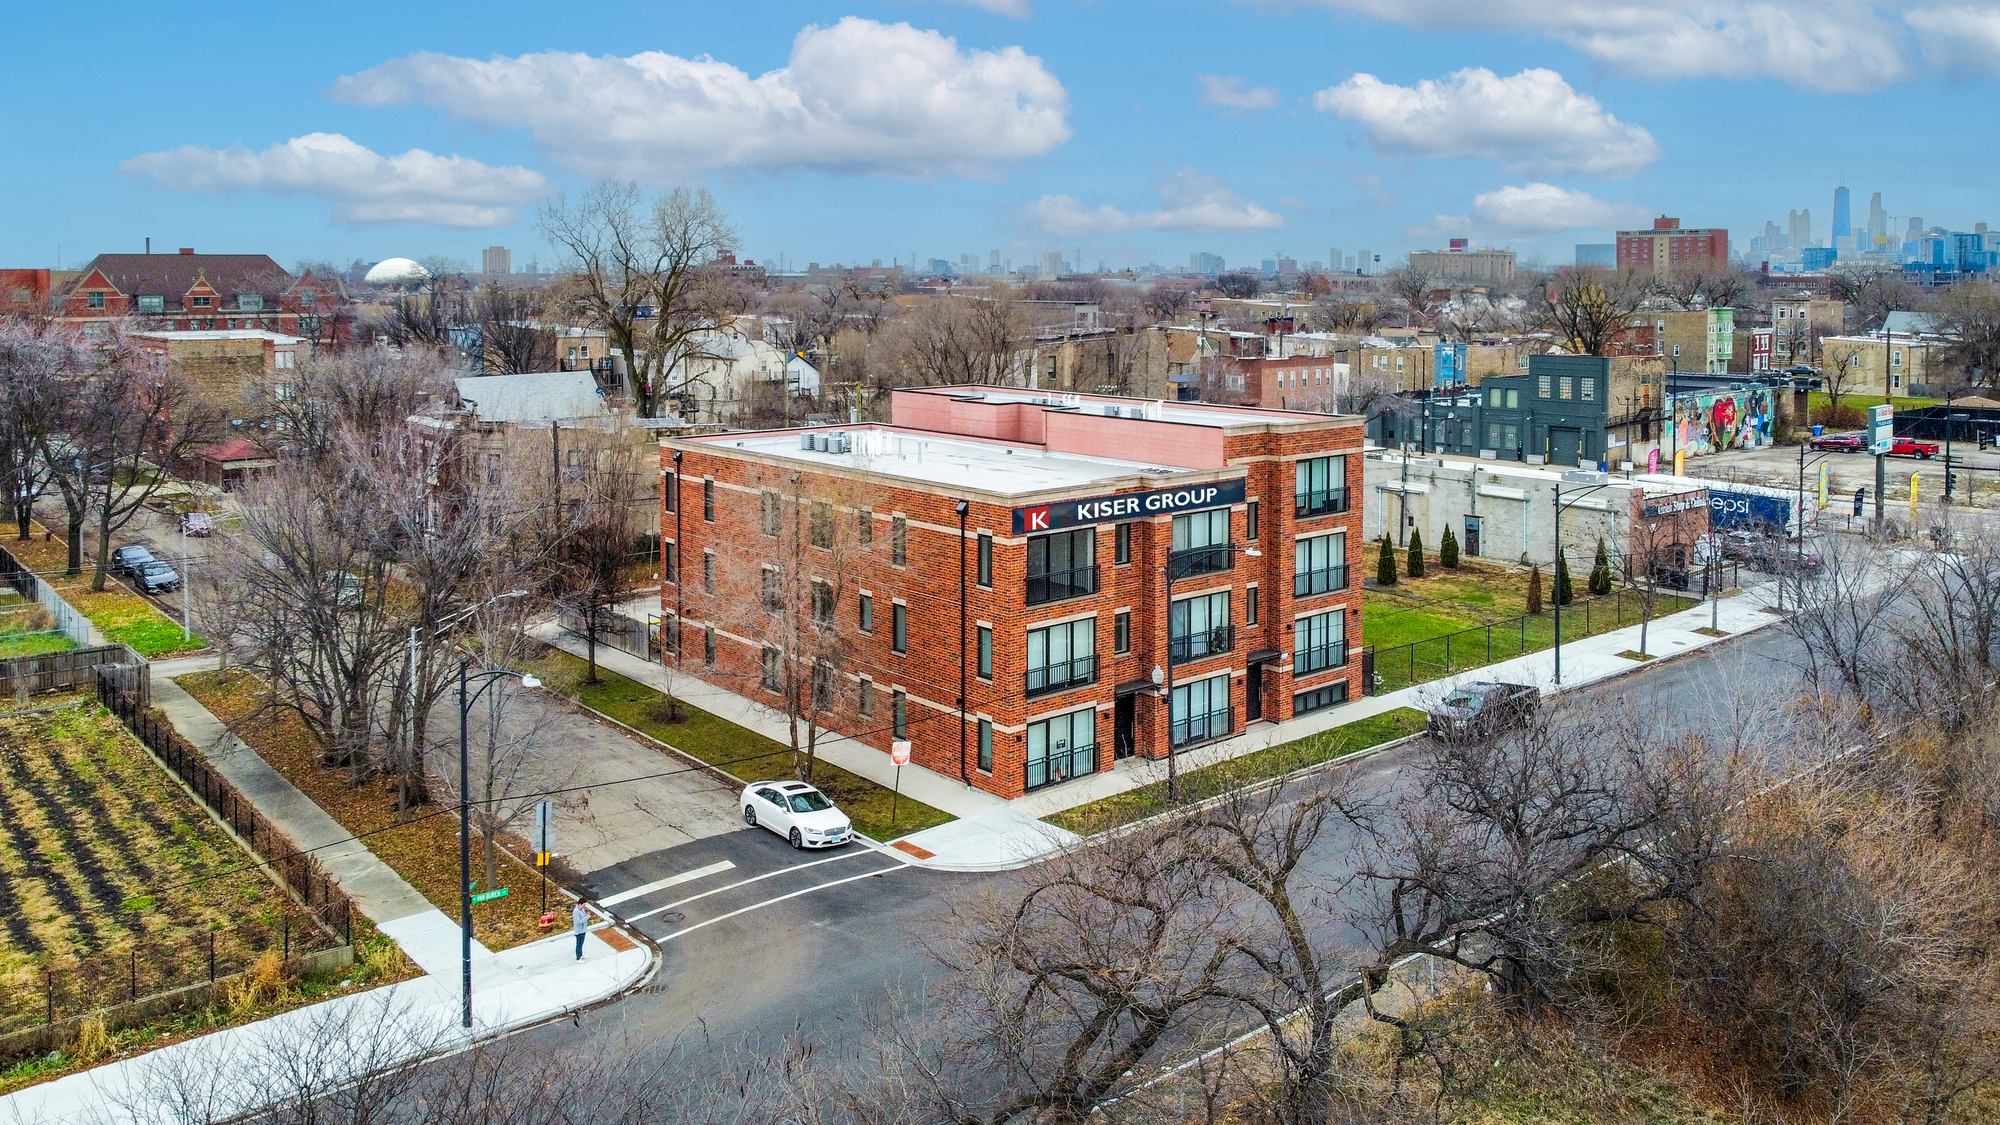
(190, 292)
(1670, 248)
(1040, 529)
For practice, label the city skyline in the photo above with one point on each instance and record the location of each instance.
(939, 130)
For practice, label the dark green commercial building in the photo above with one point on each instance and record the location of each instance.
(1558, 412)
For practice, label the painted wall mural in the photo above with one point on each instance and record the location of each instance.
(1711, 423)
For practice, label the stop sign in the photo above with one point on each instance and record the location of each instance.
(899, 751)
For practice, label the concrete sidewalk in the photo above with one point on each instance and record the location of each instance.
(994, 834)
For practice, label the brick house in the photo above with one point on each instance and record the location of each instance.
(190, 292)
(1038, 530)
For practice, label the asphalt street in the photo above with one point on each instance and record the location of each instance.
(762, 943)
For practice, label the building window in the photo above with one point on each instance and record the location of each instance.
(1319, 642)
(823, 603)
(986, 745)
(1307, 702)
(286, 361)
(986, 652)
(772, 668)
(1121, 631)
(1201, 543)
(1492, 435)
(866, 620)
(867, 696)
(94, 299)
(1250, 521)
(672, 561)
(1062, 656)
(1062, 565)
(1514, 398)
(1200, 711)
(199, 302)
(708, 572)
(899, 627)
(773, 600)
(822, 686)
(770, 514)
(1062, 748)
(708, 500)
(1198, 627)
(899, 541)
(865, 524)
(899, 709)
(822, 525)
(985, 573)
(670, 491)
(250, 302)
(153, 304)
(708, 645)
(1319, 565)
(1319, 486)
(1121, 544)
(1587, 385)
(1250, 606)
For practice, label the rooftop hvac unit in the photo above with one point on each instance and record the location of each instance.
(806, 442)
(819, 442)
(1111, 411)
(843, 443)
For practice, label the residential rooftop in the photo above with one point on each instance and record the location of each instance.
(1114, 406)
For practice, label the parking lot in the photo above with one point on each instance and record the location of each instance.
(1778, 467)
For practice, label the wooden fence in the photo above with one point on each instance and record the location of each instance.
(77, 668)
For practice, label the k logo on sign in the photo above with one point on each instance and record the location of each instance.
(1038, 518)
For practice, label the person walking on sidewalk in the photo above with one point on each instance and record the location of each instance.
(579, 923)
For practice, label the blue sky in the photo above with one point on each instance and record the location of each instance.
(855, 131)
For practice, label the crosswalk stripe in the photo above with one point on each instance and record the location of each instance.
(746, 882)
(662, 884)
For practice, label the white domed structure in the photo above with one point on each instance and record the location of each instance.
(396, 271)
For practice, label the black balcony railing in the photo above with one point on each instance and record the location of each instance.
(1204, 642)
(1067, 674)
(1319, 658)
(1202, 560)
(1324, 580)
(1320, 502)
(1059, 584)
(1201, 728)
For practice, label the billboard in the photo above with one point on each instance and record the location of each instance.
(1732, 508)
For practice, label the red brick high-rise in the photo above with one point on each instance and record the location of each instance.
(1670, 248)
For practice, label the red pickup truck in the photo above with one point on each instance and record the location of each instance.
(1911, 447)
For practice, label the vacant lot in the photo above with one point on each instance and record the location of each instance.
(119, 613)
(423, 848)
(1444, 601)
(26, 628)
(112, 879)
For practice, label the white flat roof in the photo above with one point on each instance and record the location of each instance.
(919, 455)
(221, 334)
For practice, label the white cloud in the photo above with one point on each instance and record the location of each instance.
(1228, 93)
(1533, 210)
(1194, 203)
(365, 187)
(1847, 46)
(1012, 9)
(859, 96)
(1533, 123)
(1964, 39)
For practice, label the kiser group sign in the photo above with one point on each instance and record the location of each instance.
(1127, 506)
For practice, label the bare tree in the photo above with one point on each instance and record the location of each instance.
(1166, 301)
(1948, 629)
(1415, 289)
(512, 338)
(954, 339)
(643, 270)
(35, 367)
(1840, 616)
(1658, 550)
(1238, 284)
(364, 391)
(605, 482)
(1968, 316)
(428, 312)
(1588, 306)
(1871, 293)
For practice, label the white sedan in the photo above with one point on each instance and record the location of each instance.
(796, 811)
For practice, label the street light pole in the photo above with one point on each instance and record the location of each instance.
(1581, 476)
(465, 703)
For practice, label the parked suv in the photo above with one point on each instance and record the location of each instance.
(128, 560)
(1481, 710)
(1841, 443)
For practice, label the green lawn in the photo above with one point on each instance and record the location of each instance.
(744, 753)
(32, 644)
(1440, 655)
(1196, 785)
(1818, 403)
(1445, 601)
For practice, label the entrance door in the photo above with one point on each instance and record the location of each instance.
(1472, 536)
(1122, 739)
(1253, 694)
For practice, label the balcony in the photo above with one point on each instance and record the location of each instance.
(1202, 560)
(1058, 585)
(1201, 728)
(1323, 580)
(1319, 658)
(1321, 502)
(1195, 646)
(1063, 676)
